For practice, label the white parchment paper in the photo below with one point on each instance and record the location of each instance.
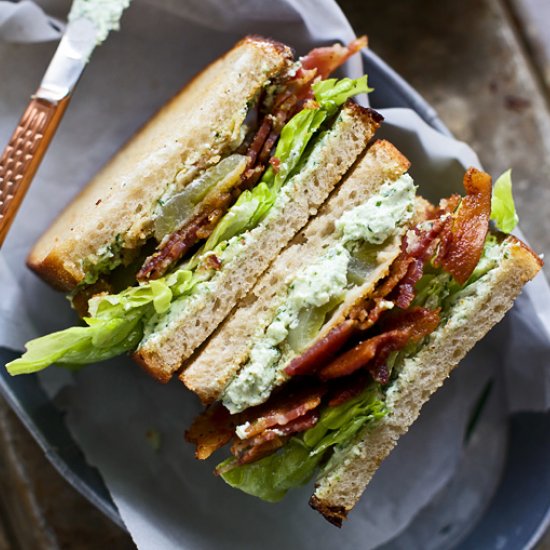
(439, 475)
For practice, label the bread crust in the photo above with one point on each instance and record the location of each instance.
(190, 132)
(220, 360)
(338, 490)
(331, 158)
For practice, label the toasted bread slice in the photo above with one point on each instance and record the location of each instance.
(220, 360)
(178, 333)
(191, 132)
(339, 488)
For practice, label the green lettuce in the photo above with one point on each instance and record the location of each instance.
(271, 477)
(433, 288)
(295, 136)
(332, 93)
(437, 288)
(336, 423)
(115, 326)
(503, 209)
(100, 340)
(245, 214)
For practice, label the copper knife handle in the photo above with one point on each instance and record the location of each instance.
(23, 155)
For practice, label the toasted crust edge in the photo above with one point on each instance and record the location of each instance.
(334, 514)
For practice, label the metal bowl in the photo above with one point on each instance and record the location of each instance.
(519, 511)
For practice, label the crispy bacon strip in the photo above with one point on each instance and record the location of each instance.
(465, 241)
(182, 240)
(398, 270)
(322, 351)
(419, 251)
(247, 454)
(301, 424)
(357, 357)
(409, 326)
(294, 414)
(283, 409)
(405, 290)
(405, 272)
(297, 89)
(269, 440)
(259, 139)
(368, 313)
(211, 430)
(328, 59)
(423, 246)
(269, 145)
(288, 102)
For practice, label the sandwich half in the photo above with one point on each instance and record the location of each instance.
(351, 330)
(164, 241)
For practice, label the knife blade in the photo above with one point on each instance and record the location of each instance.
(90, 21)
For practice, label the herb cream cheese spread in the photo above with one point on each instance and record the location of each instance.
(105, 14)
(373, 222)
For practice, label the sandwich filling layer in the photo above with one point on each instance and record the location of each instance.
(343, 382)
(246, 219)
(317, 292)
(185, 266)
(200, 195)
(325, 443)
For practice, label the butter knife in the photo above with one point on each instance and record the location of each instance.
(90, 21)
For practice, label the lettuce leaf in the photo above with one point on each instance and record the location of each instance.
(271, 477)
(244, 215)
(335, 423)
(101, 340)
(433, 288)
(332, 93)
(295, 136)
(436, 288)
(503, 209)
(115, 326)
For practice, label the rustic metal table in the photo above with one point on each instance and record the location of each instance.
(485, 67)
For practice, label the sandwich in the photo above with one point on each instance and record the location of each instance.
(178, 226)
(353, 327)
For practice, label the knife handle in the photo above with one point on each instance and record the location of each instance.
(23, 155)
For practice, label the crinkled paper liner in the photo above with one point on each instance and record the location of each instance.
(430, 489)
